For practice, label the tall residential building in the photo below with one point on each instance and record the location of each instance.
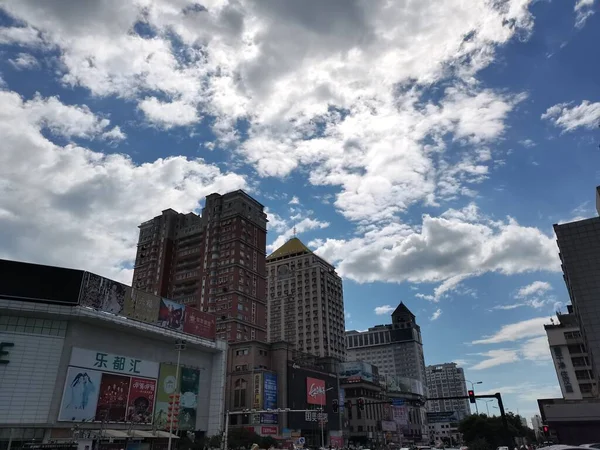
(305, 301)
(396, 348)
(536, 424)
(447, 380)
(214, 261)
(579, 244)
(571, 360)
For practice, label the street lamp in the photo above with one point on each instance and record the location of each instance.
(473, 389)
(487, 406)
(179, 346)
(323, 417)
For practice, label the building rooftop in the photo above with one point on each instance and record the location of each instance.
(292, 247)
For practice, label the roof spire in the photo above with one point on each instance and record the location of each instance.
(294, 231)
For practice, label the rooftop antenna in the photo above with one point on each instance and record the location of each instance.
(294, 231)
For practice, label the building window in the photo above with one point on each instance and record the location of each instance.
(239, 393)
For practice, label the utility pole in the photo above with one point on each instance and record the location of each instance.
(179, 346)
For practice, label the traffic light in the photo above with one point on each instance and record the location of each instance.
(361, 403)
(471, 396)
(348, 404)
(334, 405)
(546, 429)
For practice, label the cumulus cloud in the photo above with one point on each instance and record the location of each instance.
(67, 205)
(443, 249)
(383, 310)
(341, 86)
(294, 201)
(436, 314)
(584, 9)
(302, 226)
(569, 117)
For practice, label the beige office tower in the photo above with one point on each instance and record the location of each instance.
(305, 301)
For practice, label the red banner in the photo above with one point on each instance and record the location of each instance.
(199, 323)
(268, 431)
(141, 400)
(315, 391)
(336, 441)
(112, 400)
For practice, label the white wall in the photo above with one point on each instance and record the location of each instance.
(27, 382)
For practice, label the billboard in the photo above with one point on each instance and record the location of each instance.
(394, 383)
(270, 391)
(190, 379)
(102, 386)
(37, 283)
(103, 294)
(257, 390)
(388, 425)
(199, 323)
(166, 386)
(112, 398)
(442, 417)
(142, 394)
(80, 396)
(315, 391)
(400, 415)
(357, 371)
(171, 314)
(142, 306)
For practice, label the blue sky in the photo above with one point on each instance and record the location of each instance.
(424, 148)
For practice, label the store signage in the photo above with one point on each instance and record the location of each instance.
(268, 431)
(269, 419)
(4, 346)
(257, 390)
(316, 416)
(315, 391)
(109, 362)
(270, 390)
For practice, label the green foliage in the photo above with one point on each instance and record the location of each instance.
(479, 444)
(242, 437)
(480, 429)
(214, 441)
(267, 442)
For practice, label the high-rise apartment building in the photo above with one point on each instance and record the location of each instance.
(571, 360)
(214, 261)
(447, 380)
(305, 301)
(579, 244)
(396, 348)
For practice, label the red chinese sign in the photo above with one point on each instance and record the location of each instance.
(141, 400)
(268, 431)
(315, 391)
(199, 323)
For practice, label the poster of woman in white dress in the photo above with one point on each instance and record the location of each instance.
(80, 397)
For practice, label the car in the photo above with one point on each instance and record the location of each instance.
(597, 445)
(502, 448)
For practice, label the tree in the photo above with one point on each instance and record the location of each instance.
(242, 437)
(267, 442)
(489, 429)
(214, 441)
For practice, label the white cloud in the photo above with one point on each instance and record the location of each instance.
(584, 9)
(496, 358)
(20, 36)
(535, 288)
(24, 61)
(508, 307)
(383, 310)
(536, 349)
(169, 114)
(444, 250)
(461, 362)
(527, 143)
(276, 223)
(294, 201)
(345, 92)
(569, 118)
(436, 314)
(114, 134)
(516, 331)
(69, 206)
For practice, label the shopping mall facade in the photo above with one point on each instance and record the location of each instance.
(98, 377)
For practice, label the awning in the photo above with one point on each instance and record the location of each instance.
(142, 434)
(165, 434)
(117, 434)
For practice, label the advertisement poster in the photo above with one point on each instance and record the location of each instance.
(166, 386)
(142, 392)
(142, 306)
(315, 391)
(190, 379)
(199, 323)
(387, 425)
(400, 415)
(171, 314)
(80, 397)
(270, 391)
(103, 294)
(112, 400)
(356, 371)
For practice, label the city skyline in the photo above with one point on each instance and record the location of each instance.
(425, 153)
